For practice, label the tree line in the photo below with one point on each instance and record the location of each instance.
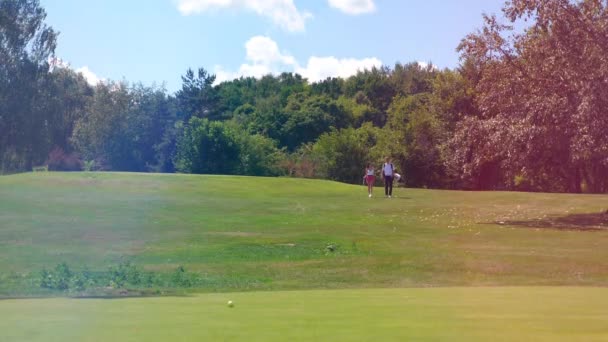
(525, 110)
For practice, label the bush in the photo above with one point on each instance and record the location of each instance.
(213, 147)
(182, 278)
(343, 154)
(59, 160)
(88, 165)
(121, 276)
(43, 168)
(58, 279)
(125, 273)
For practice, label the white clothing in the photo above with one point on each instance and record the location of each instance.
(370, 172)
(388, 169)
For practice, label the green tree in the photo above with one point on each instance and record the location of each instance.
(309, 117)
(417, 145)
(208, 147)
(99, 134)
(214, 147)
(26, 43)
(541, 95)
(343, 154)
(198, 97)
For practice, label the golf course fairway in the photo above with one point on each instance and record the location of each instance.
(429, 314)
(301, 259)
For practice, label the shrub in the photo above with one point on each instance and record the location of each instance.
(59, 160)
(58, 279)
(182, 278)
(213, 147)
(43, 168)
(125, 273)
(88, 165)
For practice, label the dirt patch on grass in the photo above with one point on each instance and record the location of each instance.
(577, 222)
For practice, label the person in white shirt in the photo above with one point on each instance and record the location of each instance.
(370, 178)
(388, 171)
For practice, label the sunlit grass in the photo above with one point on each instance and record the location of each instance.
(243, 233)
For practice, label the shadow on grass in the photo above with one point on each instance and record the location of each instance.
(122, 295)
(576, 222)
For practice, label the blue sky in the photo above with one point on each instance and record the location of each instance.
(157, 40)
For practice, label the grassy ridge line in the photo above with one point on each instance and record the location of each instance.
(244, 233)
(444, 314)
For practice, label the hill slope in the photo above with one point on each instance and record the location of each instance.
(243, 233)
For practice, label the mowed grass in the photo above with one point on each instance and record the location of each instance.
(244, 233)
(424, 265)
(437, 314)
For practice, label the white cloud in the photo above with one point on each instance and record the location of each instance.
(264, 57)
(282, 12)
(261, 49)
(425, 65)
(320, 68)
(353, 7)
(90, 76)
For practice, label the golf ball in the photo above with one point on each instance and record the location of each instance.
(230, 304)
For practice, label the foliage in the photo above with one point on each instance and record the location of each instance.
(60, 161)
(26, 43)
(43, 168)
(197, 97)
(417, 134)
(123, 127)
(214, 147)
(210, 147)
(523, 111)
(541, 97)
(125, 275)
(343, 154)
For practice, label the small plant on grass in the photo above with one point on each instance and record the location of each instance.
(88, 165)
(42, 168)
(125, 273)
(331, 248)
(183, 278)
(57, 279)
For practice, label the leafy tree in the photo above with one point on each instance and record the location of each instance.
(375, 87)
(331, 86)
(198, 97)
(343, 154)
(359, 112)
(214, 147)
(412, 78)
(208, 147)
(64, 96)
(260, 156)
(98, 134)
(26, 43)
(541, 96)
(309, 117)
(417, 145)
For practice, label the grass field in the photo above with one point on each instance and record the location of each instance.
(438, 314)
(261, 236)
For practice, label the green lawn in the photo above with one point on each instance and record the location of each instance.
(242, 233)
(440, 314)
(424, 265)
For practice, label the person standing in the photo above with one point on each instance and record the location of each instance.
(370, 178)
(387, 174)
